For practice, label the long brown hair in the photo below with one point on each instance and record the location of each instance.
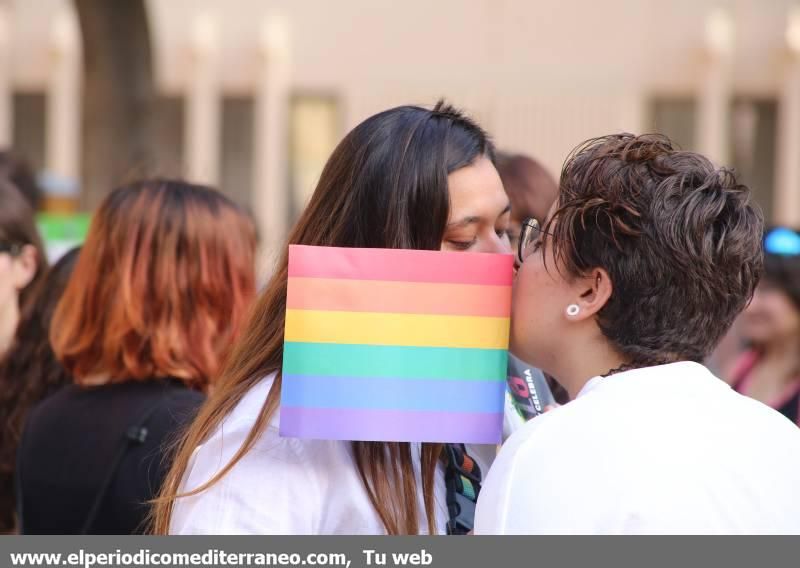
(385, 185)
(29, 373)
(161, 286)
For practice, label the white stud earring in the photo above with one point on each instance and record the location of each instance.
(573, 310)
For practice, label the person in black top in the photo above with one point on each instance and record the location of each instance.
(99, 483)
(159, 291)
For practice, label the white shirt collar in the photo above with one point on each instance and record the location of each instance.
(681, 368)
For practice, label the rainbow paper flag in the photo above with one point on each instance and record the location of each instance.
(395, 345)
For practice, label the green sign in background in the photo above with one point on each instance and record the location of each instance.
(62, 231)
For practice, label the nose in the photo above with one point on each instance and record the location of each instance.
(498, 245)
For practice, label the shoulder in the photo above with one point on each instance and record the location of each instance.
(60, 397)
(275, 488)
(578, 457)
(179, 403)
(565, 424)
(166, 411)
(507, 488)
(602, 453)
(46, 413)
(752, 418)
(177, 393)
(544, 453)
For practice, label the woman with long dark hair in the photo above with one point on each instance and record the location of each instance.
(156, 298)
(407, 178)
(28, 374)
(23, 262)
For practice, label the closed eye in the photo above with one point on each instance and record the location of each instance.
(463, 245)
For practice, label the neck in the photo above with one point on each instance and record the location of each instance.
(592, 359)
(9, 318)
(96, 380)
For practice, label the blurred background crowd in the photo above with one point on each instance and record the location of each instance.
(251, 97)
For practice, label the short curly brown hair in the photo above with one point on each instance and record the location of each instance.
(679, 238)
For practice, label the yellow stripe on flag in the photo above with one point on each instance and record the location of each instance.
(371, 328)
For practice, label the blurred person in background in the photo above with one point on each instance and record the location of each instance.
(409, 178)
(530, 187)
(532, 191)
(23, 262)
(28, 374)
(769, 370)
(160, 288)
(644, 262)
(16, 169)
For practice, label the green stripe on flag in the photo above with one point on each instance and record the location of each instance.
(400, 362)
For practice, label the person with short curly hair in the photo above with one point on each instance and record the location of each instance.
(644, 261)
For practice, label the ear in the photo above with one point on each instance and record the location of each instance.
(24, 267)
(593, 291)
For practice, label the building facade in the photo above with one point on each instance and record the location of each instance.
(254, 94)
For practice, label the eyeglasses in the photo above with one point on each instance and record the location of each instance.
(14, 249)
(529, 236)
(783, 242)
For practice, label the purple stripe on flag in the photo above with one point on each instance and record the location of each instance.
(391, 425)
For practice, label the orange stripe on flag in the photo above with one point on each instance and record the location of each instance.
(398, 297)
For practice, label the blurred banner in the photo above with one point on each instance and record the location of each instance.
(62, 231)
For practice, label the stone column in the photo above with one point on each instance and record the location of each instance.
(273, 92)
(203, 105)
(6, 93)
(787, 198)
(714, 96)
(63, 112)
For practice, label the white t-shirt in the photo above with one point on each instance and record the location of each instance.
(668, 449)
(283, 485)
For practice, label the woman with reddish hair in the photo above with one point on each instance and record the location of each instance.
(158, 293)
